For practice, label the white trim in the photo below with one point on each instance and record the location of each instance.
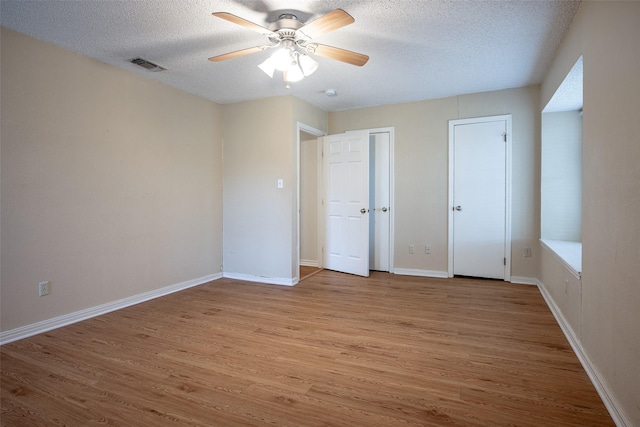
(78, 316)
(507, 199)
(521, 280)
(301, 127)
(610, 402)
(320, 228)
(508, 161)
(262, 279)
(309, 263)
(420, 273)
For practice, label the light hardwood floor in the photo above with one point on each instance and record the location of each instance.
(336, 350)
(306, 272)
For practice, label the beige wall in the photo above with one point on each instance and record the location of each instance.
(260, 220)
(111, 183)
(421, 168)
(608, 324)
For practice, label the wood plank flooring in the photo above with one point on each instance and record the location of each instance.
(306, 271)
(335, 350)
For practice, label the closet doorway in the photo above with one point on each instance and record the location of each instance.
(309, 260)
(311, 236)
(480, 197)
(357, 201)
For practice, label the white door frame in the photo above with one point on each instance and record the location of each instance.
(392, 209)
(301, 127)
(452, 124)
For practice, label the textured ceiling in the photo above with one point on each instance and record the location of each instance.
(568, 96)
(419, 49)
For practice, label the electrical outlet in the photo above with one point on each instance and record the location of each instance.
(43, 289)
(427, 249)
(527, 252)
(412, 249)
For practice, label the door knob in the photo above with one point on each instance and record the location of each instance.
(384, 209)
(458, 208)
(363, 210)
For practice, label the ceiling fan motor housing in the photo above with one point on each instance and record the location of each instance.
(285, 28)
(286, 21)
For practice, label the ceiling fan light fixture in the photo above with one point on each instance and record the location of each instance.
(282, 58)
(287, 35)
(298, 65)
(268, 67)
(294, 73)
(307, 64)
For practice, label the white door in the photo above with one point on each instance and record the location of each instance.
(379, 201)
(346, 166)
(479, 199)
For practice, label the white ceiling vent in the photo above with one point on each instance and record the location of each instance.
(147, 65)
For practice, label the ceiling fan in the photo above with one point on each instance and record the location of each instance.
(294, 42)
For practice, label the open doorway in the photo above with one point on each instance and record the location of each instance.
(357, 215)
(309, 183)
(311, 228)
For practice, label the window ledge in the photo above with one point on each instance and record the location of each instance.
(569, 253)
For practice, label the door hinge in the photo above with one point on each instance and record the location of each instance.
(504, 135)
(504, 260)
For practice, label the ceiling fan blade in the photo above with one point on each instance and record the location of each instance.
(241, 21)
(327, 23)
(236, 54)
(338, 54)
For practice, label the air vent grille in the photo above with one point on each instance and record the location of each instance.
(147, 65)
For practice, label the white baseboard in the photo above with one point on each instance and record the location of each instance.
(421, 273)
(262, 279)
(308, 263)
(77, 316)
(525, 280)
(611, 403)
